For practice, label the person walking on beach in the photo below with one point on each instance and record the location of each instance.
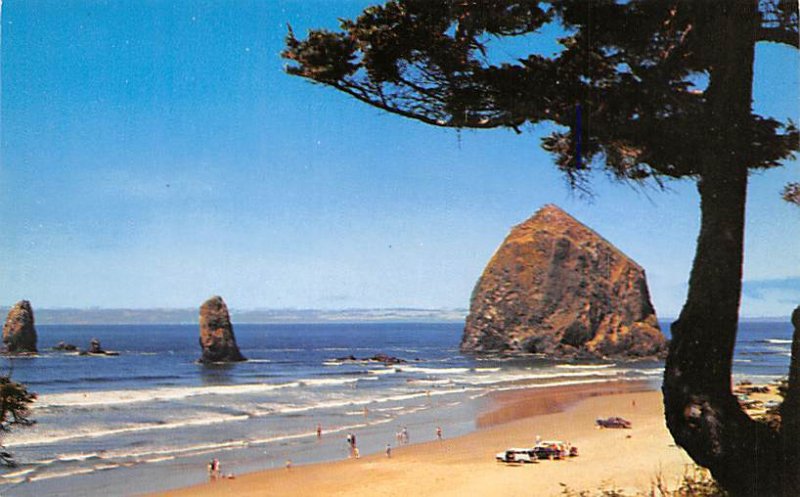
(404, 435)
(439, 432)
(389, 451)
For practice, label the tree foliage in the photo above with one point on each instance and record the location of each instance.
(627, 87)
(791, 193)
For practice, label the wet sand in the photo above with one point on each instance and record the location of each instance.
(466, 465)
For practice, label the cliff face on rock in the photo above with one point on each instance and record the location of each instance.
(19, 333)
(216, 333)
(558, 288)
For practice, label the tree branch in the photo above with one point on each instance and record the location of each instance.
(778, 35)
(482, 123)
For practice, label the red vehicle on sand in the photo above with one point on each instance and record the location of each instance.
(613, 422)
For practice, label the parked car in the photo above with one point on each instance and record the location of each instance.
(554, 449)
(613, 422)
(545, 450)
(516, 455)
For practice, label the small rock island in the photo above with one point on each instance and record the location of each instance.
(96, 349)
(216, 333)
(557, 288)
(19, 332)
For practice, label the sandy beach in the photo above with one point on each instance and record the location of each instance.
(627, 459)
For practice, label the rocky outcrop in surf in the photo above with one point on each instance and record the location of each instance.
(96, 349)
(216, 333)
(19, 332)
(382, 358)
(557, 288)
(65, 347)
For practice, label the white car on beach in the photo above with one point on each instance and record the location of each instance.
(516, 455)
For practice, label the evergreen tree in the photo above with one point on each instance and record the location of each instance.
(15, 401)
(647, 89)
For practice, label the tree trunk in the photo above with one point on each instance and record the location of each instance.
(790, 416)
(702, 413)
(746, 457)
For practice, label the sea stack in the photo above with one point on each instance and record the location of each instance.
(19, 333)
(216, 333)
(557, 288)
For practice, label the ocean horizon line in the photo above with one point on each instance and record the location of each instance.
(287, 315)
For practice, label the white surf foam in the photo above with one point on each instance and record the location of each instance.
(430, 382)
(17, 474)
(114, 397)
(61, 474)
(415, 369)
(325, 382)
(585, 366)
(23, 440)
(509, 376)
(77, 457)
(382, 371)
(558, 384)
(649, 372)
(159, 459)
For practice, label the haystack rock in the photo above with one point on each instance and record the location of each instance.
(216, 333)
(558, 288)
(19, 333)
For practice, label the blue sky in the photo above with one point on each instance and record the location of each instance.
(155, 153)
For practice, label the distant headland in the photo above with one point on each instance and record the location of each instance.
(188, 315)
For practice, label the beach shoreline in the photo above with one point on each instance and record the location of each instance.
(465, 465)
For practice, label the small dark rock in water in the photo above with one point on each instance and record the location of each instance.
(96, 349)
(216, 333)
(67, 347)
(387, 359)
(384, 358)
(19, 333)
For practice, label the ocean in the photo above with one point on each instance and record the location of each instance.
(151, 418)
